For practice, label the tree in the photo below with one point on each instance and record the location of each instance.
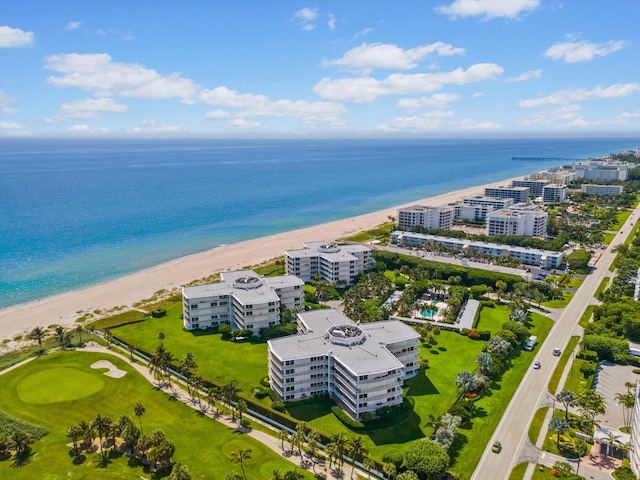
(139, 411)
(558, 425)
(61, 336)
(241, 407)
(240, 457)
(283, 435)
(293, 475)
(485, 362)
(501, 286)
(408, 475)
(20, 442)
(100, 424)
(499, 345)
(74, 432)
(389, 470)
(427, 459)
(356, 451)
(38, 334)
(563, 469)
(79, 330)
(465, 381)
(180, 472)
(626, 401)
(339, 446)
(591, 404)
(581, 448)
(568, 399)
(612, 439)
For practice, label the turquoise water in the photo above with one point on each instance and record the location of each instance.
(78, 212)
(428, 313)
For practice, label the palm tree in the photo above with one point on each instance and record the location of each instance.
(293, 474)
(581, 448)
(131, 348)
(627, 401)
(241, 407)
(356, 450)
(340, 444)
(74, 432)
(61, 335)
(313, 439)
(568, 399)
(100, 426)
(212, 396)
(38, 335)
(283, 435)
(240, 457)
(79, 330)
(558, 425)
(389, 470)
(139, 411)
(20, 442)
(228, 393)
(612, 438)
(277, 475)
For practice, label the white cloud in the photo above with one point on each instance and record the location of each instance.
(564, 97)
(153, 126)
(488, 8)
(79, 128)
(98, 74)
(242, 123)
(564, 115)
(439, 100)
(9, 125)
(72, 26)
(88, 108)
(626, 115)
(332, 22)
(217, 114)
(5, 102)
(526, 76)
(127, 36)
(14, 37)
(470, 124)
(367, 89)
(427, 121)
(575, 52)
(380, 55)
(363, 32)
(251, 106)
(306, 18)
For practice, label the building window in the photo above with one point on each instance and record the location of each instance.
(194, 306)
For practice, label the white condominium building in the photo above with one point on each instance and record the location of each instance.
(339, 264)
(535, 185)
(243, 299)
(519, 194)
(361, 366)
(426, 216)
(496, 203)
(517, 222)
(601, 189)
(634, 451)
(473, 213)
(528, 256)
(554, 193)
(602, 170)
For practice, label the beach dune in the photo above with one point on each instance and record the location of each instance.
(63, 309)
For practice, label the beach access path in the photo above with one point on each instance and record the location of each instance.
(65, 308)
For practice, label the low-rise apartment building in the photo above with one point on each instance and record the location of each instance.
(602, 170)
(426, 216)
(593, 189)
(528, 256)
(361, 366)
(242, 299)
(338, 264)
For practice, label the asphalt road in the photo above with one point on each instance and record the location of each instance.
(513, 427)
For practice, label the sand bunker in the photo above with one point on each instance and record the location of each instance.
(112, 370)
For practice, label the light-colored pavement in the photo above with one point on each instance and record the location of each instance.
(513, 427)
(609, 380)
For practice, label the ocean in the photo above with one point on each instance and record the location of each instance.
(79, 212)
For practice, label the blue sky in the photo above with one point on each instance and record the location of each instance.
(276, 68)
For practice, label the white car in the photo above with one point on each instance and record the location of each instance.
(537, 365)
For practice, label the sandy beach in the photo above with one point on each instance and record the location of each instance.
(65, 308)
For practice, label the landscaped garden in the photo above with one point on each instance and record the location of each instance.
(61, 389)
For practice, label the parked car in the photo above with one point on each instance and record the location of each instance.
(496, 447)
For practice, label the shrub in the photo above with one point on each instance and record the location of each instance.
(259, 392)
(346, 419)
(278, 405)
(589, 355)
(485, 335)
(393, 456)
(474, 334)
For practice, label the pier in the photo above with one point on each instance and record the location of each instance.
(547, 159)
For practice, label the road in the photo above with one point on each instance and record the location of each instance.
(512, 430)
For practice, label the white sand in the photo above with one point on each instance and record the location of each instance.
(112, 370)
(63, 309)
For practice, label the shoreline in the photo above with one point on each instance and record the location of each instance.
(63, 309)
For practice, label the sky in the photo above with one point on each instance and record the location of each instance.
(287, 68)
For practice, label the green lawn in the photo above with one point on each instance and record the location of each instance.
(492, 318)
(566, 355)
(576, 381)
(60, 389)
(218, 360)
(559, 302)
(518, 471)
